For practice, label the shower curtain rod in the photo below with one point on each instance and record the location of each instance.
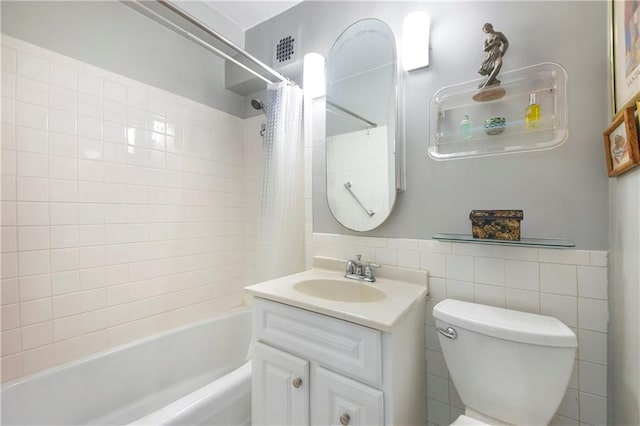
(168, 14)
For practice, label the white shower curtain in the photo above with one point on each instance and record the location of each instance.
(280, 233)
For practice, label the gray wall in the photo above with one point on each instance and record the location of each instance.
(563, 192)
(112, 36)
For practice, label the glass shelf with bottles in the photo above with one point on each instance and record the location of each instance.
(463, 127)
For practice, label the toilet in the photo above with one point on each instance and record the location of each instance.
(509, 367)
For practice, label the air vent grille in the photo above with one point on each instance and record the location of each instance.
(285, 49)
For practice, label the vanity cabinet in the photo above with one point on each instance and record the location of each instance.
(282, 381)
(313, 369)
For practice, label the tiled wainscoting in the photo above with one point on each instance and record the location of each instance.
(122, 209)
(568, 284)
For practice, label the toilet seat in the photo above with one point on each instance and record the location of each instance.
(468, 421)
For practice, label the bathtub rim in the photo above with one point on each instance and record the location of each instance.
(238, 310)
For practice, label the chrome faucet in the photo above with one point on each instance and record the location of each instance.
(355, 270)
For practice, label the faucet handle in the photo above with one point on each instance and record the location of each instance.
(368, 271)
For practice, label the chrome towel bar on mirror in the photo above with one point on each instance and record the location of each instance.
(368, 211)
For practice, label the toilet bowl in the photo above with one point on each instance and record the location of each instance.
(509, 367)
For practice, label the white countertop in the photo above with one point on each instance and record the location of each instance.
(381, 315)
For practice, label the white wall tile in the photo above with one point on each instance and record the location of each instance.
(386, 256)
(437, 288)
(571, 257)
(61, 144)
(63, 190)
(33, 262)
(522, 275)
(490, 271)
(460, 290)
(37, 359)
(558, 279)
(64, 260)
(62, 122)
(32, 164)
(32, 189)
(593, 378)
(32, 91)
(408, 258)
(63, 99)
(63, 168)
(9, 59)
(565, 308)
(89, 127)
(592, 282)
(90, 149)
(11, 342)
(438, 388)
(598, 258)
(490, 295)
(90, 84)
(438, 412)
(402, 244)
(32, 67)
(570, 405)
(37, 335)
(435, 263)
(9, 291)
(459, 267)
(35, 287)
(33, 238)
(593, 346)
(593, 314)
(32, 213)
(523, 300)
(593, 409)
(63, 76)
(30, 140)
(35, 311)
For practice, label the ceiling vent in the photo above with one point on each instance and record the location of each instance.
(285, 50)
(287, 54)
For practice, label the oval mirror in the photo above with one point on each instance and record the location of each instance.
(362, 76)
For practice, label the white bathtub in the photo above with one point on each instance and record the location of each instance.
(197, 374)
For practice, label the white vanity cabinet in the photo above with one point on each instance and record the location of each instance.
(313, 369)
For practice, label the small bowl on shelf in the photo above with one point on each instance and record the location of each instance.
(495, 125)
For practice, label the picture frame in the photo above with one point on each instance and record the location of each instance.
(621, 147)
(624, 49)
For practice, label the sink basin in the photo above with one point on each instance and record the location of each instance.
(340, 290)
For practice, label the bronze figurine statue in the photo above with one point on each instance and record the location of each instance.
(495, 46)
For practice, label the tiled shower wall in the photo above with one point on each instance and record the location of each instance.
(568, 284)
(122, 209)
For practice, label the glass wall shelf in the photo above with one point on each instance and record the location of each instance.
(450, 104)
(523, 242)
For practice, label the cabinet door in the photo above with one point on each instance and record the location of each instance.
(280, 388)
(337, 400)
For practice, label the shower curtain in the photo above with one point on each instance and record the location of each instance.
(280, 233)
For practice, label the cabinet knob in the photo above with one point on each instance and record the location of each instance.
(297, 382)
(345, 419)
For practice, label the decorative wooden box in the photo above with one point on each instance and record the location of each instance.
(496, 224)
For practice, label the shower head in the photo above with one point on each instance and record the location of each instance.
(257, 103)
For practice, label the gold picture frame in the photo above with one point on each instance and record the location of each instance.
(621, 142)
(624, 40)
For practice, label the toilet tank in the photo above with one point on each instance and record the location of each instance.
(509, 365)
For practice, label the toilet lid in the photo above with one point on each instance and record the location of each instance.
(468, 421)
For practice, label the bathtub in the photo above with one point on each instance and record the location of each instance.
(196, 374)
